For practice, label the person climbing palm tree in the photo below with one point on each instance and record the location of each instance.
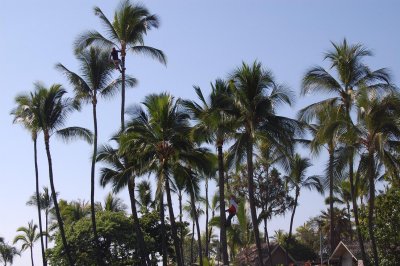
(233, 206)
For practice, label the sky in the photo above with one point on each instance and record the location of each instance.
(203, 40)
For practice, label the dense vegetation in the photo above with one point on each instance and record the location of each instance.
(258, 159)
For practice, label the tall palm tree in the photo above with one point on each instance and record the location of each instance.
(24, 115)
(256, 97)
(160, 138)
(326, 132)
(7, 253)
(51, 108)
(28, 237)
(127, 31)
(379, 133)
(214, 125)
(121, 171)
(94, 82)
(352, 74)
(298, 179)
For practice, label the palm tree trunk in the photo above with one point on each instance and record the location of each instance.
(173, 224)
(163, 231)
(206, 188)
(288, 242)
(123, 53)
(251, 199)
(268, 244)
(181, 222)
(31, 255)
(192, 244)
(355, 209)
(38, 200)
(47, 227)
(145, 260)
(331, 216)
(221, 184)
(54, 196)
(92, 172)
(196, 218)
(371, 209)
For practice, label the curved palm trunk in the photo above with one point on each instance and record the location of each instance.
(355, 209)
(331, 216)
(163, 231)
(173, 224)
(251, 199)
(288, 241)
(371, 209)
(54, 196)
(221, 184)
(145, 260)
(92, 172)
(38, 200)
(31, 255)
(196, 218)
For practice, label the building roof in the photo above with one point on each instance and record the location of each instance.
(353, 248)
(249, 255)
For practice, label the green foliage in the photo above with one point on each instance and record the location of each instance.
(117, 237)
(387, 224)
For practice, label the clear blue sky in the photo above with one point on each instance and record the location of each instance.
(202, 39)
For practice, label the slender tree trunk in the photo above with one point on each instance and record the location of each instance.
(349, 214)
(372, 208)
(206, 187)
(54, 196)
(47, 227)
(145, 260)
(196, 218)
(355, 209)
(38, 200)
(331, 216)
(221, 184)
(31, 255)
(123, 54)
(181, 228)
(163, 231)
(99, 255)
(173, 224)
(191, 245)
(289, 240)
(251, 199)
(268, 244)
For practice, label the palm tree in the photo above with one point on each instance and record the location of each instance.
(214, 125)
(160, 138)
(194, 216)
(51, 109)
(326, 133)
(379, 133)
(28, 237)
(298, 179)
(24, 115)
(120, 171)
(94, 82)
(114, 204)
(353, 74)
(7, 253)
(256, 97)
(127, 30)
(144, 199)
